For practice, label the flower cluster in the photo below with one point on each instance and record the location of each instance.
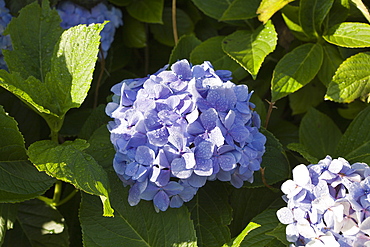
(178, 128)
(5, 42)
(73, 14)
(328, 204)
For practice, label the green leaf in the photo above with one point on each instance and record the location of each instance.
(8, 213)
(280, 233)
(268, 8)
(40, 225)
(247, 203)
(66, 161)
(349, 34)
(302, 150)
(332, 60)
(236, 242)
(350, 111)
(290, 15)
(212, 8)
(355, 142)
(21, 181)
(211, 214)
(94, 121)
(211, 50)
(310, 95)
(101, 147)
(274, 161)
(164, 32)
(361, 6)
(312, 14)
(73, 64)
(184, 47)
(319, 134)
(351, 80)
(258, 237)
(338, 13)
(63, 71)
(136, 225)
(250, 49)
(12, 142)
(134, 33)
(296, 69)
(146, 10)
(121, 2)
(34, 34)
(238, 11)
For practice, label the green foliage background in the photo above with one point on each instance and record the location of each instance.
(306, 60)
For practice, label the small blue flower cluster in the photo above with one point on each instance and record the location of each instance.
(178, 128)
(5, 42)
(328, 204)
(73, 14)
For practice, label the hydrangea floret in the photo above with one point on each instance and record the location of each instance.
(5, 42)
(327, 204)
(73, 14)
(180, 127)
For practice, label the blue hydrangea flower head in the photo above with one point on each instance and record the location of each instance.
(73, 14)
(5, 42)
(327, 204)
(179, 127)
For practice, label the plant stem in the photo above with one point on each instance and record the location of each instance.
(67, 198)
(269, 111)
(174, 23)
(57, 192)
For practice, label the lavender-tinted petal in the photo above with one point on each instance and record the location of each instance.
(161, 200)
(144, 155)
(227, 162)
(158, 137)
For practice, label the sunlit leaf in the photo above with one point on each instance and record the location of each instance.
(250, 49)
(351, 80)
(268, 8)
(296, 69)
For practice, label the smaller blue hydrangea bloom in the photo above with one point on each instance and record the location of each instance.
(327, 204)
(178, 128)
(73, 15)
(5, 42)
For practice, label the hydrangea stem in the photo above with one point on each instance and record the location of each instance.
(174, 23)
(269, 111)
(57, 192)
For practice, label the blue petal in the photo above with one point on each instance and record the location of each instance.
(195, 128)
(161, 200)
(176, 202)
(151, 120)
(131, 169)
(204, 167)
(149, 192)
(204, 150)
(135, 192)
(197, 181)
(158, 137)
(178, 168)
(144, 155)
(209, 118)
(227, 162)
(182, 69)
(173, 188)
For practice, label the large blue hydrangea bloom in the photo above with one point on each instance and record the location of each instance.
(328, 204)
(178, 128)
(73, 14)
(5, 42)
